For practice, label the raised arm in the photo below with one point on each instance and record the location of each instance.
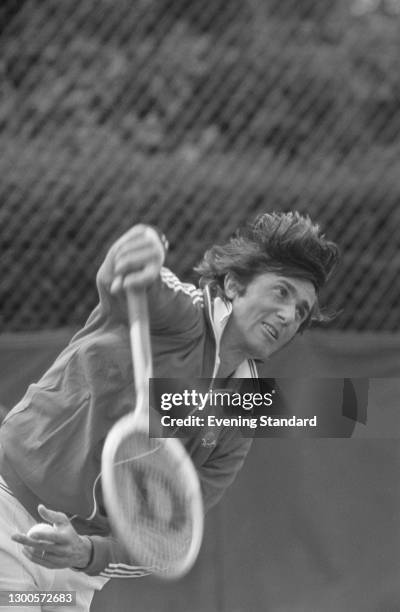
(136, 259)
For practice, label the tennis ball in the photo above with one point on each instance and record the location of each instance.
(40, 531)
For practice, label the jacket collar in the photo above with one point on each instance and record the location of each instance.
(218, 312)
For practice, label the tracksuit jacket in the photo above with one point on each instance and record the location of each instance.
(51, 442)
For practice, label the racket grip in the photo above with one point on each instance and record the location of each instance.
(140, 336)
(137, 305)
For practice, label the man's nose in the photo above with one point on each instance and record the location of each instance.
(287, 313)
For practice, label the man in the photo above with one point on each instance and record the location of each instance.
(257, 291)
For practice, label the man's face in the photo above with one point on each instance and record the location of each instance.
(269, 313)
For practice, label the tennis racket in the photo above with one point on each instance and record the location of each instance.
(151, 489)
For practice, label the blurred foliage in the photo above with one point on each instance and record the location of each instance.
(192, 115)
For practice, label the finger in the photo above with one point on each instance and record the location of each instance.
(142, 232)
(47, 560)
(59, 519)
(137, 233)
(134, 263)
(140, 229)
(133, 252)
(129, 263)
(140, 279)
(21, 538)
(147, 239)
(136, 243)
(116, 285)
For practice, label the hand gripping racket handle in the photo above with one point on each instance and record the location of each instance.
(140, 343)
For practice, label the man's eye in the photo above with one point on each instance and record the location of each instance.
(282, 291)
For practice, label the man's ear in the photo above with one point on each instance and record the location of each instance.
(231, 286)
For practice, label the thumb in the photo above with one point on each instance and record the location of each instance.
(59, 519)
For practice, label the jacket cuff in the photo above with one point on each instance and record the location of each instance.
(109, 559)
(100, 555)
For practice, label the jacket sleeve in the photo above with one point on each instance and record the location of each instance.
(173, 305)
(110, 560)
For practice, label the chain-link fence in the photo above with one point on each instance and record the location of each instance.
(194, 115)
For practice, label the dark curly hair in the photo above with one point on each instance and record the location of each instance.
(284, 243)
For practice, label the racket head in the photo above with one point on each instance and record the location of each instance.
(153, 498)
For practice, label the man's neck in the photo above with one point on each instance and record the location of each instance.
(231, 353)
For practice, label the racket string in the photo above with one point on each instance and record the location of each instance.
(157, 523)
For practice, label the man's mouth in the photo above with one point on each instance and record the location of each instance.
(271, 330)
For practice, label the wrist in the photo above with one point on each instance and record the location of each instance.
(86, 555)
